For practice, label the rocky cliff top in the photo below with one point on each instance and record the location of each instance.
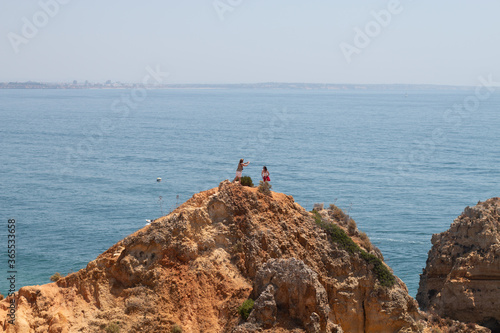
(194, 267)
(461, 279)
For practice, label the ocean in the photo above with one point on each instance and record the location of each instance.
(79, 168)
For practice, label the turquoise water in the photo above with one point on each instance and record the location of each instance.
(79, 167)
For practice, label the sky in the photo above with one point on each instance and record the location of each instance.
(451, 42)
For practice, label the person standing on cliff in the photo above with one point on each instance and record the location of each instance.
(265, 175)
(239, 170)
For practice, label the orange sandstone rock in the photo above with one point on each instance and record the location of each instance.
(195, 266)
(462, 277)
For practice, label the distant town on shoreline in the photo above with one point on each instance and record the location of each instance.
(267, 85)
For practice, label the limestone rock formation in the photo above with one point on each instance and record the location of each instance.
(461, 279)
(194, 268)
(295, 288)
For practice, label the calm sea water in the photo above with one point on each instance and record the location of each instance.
(78, 169)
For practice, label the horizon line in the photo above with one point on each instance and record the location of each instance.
(110, 83)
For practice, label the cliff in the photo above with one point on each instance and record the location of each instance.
(461, 279)
(194, 267)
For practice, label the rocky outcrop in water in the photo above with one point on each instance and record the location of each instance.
(196, 266)
(461, 279)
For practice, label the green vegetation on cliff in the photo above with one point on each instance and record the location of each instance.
(338, 235)
(245, 308)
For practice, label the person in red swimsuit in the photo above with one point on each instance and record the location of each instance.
(265, 174)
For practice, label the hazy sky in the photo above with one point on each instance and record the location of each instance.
(234, 41)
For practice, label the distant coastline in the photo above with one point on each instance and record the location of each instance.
(266, 85)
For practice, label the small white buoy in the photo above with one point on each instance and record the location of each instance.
(158, 179)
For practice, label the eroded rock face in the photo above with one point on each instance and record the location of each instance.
(293, 287)
(194, 267)
(462, 277)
